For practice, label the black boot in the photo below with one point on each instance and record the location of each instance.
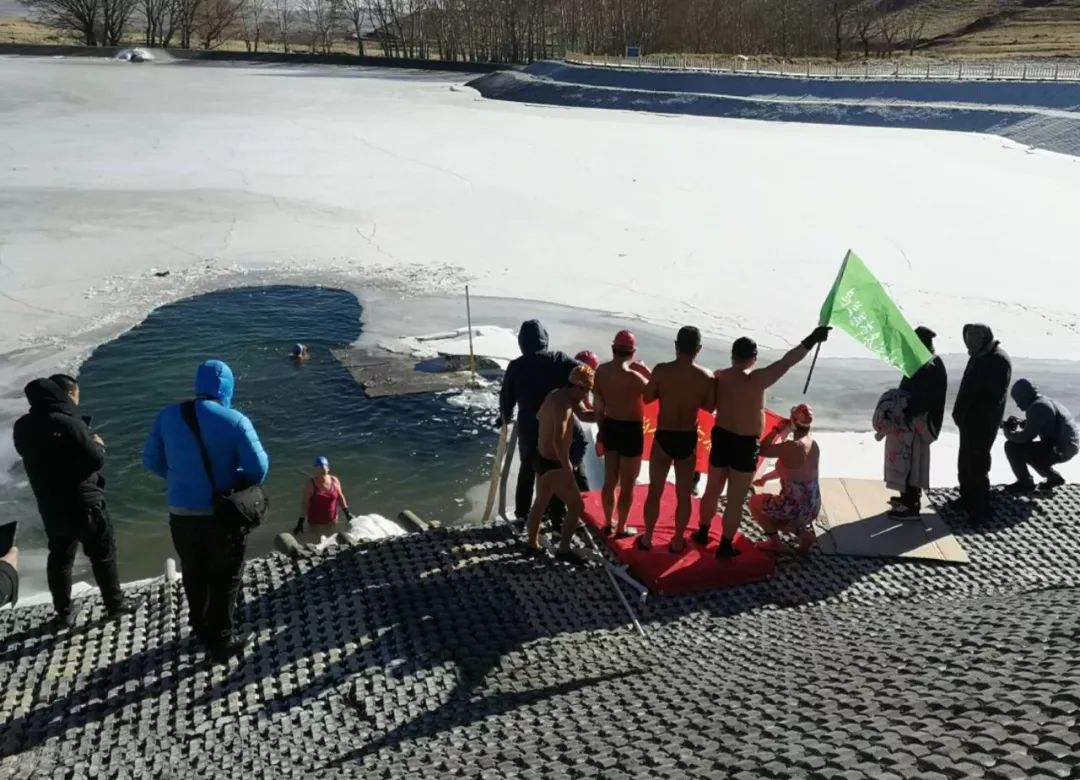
(234, 648)
(124, 606)
(65, 618)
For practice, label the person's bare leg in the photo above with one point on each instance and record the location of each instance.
(710, 502)
(629, 468)
(757, 511)
(536, 514)
(684, 485)
(567, 491)
(611, 480)
(738, 487)
(659, 466)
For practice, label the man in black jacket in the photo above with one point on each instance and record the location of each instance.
(62, 457)
(526, 384)
(926, 388)
(978, 412)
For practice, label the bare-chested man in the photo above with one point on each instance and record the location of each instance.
(740, 419)
(620, 386)
(683, 387)
(555, 474)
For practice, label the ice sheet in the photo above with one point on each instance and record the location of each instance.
(392, 179)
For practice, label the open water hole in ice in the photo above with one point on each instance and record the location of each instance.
(423, 452)
(418, 452)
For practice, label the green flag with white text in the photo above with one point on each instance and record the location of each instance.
(859, 306)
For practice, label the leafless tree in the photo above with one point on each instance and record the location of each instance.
(187, 18)
(888, 28)
(912, 23)
(357, 13)
(115, 17)
(97, 22)
(217, 21)
(320, 20)
(862, 24)
(254, 20)
(159, 21)
(839, 14)
(79, 16)
(283, 18)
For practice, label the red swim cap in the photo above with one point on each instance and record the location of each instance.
(624, 339)
(802, 415)
(589, 358)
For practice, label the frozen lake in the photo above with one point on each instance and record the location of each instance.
(402, 187)
(409, 179)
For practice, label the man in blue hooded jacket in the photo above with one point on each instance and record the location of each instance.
(526, 384)
(211, 553)
(1055, 429)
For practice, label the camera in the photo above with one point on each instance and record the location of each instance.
(1012, 425)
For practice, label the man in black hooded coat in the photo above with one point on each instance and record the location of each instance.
(62, 457)
(526, 384)
(978, 412)
(927, 388)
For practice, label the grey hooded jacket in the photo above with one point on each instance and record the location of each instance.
(1045, 420)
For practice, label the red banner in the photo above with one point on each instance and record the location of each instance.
(704, 432)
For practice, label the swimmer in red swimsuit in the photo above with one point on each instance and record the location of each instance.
(322, 501)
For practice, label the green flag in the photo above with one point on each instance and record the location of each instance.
(859, 306)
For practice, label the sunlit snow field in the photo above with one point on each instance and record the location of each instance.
(402, 187)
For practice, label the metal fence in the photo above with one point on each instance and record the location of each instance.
(896, 68)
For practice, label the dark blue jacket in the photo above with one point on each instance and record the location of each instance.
(236, 453)
(530, 378)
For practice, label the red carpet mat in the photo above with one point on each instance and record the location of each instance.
(691, 571)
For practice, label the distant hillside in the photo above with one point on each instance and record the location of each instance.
(996, 28)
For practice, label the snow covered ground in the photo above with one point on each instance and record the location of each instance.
(127, 187)
(407, 179)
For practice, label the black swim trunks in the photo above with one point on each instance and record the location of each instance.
(626, 437)
(731, 451)
(679, 445)
(542, 465)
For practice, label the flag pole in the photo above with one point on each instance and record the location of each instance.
(472, 356)
(812, 364)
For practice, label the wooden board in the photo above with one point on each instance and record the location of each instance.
(854, 521)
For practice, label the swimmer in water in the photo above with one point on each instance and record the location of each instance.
(620, 409)
(554, 472)
(683, 388)
(299, 353)
(322, 501)
(740, 420)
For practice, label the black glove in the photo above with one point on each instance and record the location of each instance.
(299, 526)
(820, 334)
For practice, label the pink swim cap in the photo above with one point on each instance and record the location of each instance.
(589, 358)
(802, 415)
